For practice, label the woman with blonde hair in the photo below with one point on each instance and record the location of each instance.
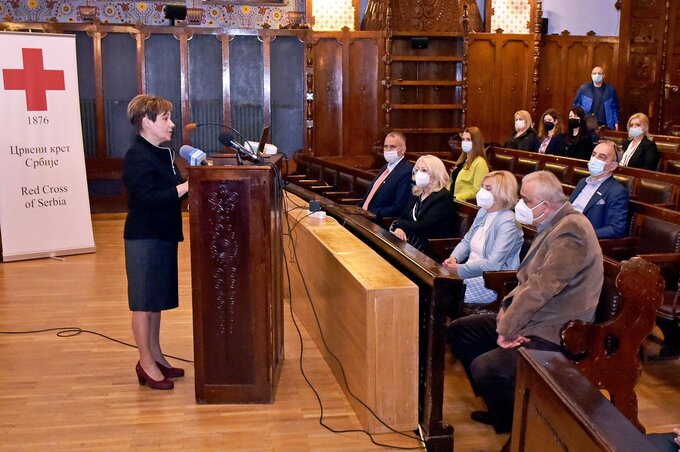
(472, 165)
(639, 151)
(524, 136)
(430, 211)
(494, 240)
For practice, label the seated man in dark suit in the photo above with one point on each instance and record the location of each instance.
(602, 198)
(391, 188)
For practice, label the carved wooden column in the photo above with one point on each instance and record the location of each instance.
(663, 94)
(537, 57)
(99, 113)
(466, 41)
(185, 103)
(387, 83)
(226, 79)
(309, 96)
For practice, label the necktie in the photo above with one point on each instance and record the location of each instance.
(374, 189)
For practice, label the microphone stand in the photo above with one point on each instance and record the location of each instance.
(239, 158)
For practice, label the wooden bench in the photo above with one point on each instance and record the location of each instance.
(368, 324)
(438, 292)
(649, 187)
(557, 408)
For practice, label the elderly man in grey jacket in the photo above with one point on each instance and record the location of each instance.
(560, 279)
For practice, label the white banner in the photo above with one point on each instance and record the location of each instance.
(44, 205)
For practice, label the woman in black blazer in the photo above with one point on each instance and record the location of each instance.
(430, 212)
(578, 142)
(153, 228)
(639, 151)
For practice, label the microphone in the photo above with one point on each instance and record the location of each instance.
(228, 139)
(194, 156)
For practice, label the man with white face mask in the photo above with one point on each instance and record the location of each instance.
(560, 279)
(600, 99)
(600, 197)
(391, 188)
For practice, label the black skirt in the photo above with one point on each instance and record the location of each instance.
(151, 267)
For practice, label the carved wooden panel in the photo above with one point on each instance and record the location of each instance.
(499, 68)
(566, 63)
(361, 97)
(347, 70)
(327, 97)
(423, 15)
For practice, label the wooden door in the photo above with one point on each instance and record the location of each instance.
(670, 94)
(650, 63)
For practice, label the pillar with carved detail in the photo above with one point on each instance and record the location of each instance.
(538, 15)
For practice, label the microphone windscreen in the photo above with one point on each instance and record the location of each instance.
(186, 151)
(192, 155)
(226, 138)
(191, 126)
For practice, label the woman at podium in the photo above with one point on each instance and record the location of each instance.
(153, 228)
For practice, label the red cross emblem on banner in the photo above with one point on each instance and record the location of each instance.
(33, 79)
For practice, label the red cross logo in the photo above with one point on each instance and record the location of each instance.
(33, 79)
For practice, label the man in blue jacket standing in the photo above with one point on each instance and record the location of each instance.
(600, 99)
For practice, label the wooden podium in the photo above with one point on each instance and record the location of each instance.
(236, 276)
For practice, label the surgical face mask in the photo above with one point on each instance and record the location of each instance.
(548, 125)
(597, 78)
(635, 131)
(422, 179)
(466, 146)
(525, 214)
(391, 156)
(596, 166)
(520, 124)
(484, 198)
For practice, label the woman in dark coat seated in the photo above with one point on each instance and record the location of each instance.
(524, 137)
(639, 151)
(578, 142)
(550, 131)
(431, 211)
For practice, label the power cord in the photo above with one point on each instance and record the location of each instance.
(70, 331)
(342, 370)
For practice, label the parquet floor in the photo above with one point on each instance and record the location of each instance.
(80, 392)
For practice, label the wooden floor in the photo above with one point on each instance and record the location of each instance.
(80, 392)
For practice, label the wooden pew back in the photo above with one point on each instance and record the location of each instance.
(557, 408)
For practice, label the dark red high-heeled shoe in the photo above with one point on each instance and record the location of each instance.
(144, 379)
(170, 372)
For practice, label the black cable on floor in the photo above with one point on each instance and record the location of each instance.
(70, 331)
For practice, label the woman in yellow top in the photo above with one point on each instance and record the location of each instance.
(474, 166)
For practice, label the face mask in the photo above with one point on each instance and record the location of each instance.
(635, 131)
(597, 78)
(574, 122)
(422, 179)
(520, 124)
(390, 156)
(466, 146)
(548, 126)
(484, 198)
(596, 166)
(525, 214)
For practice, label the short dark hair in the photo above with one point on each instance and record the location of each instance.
(144, 105)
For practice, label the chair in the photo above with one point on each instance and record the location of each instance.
(502, 162)
(559, 170)
(655, 192)
(607, 353)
